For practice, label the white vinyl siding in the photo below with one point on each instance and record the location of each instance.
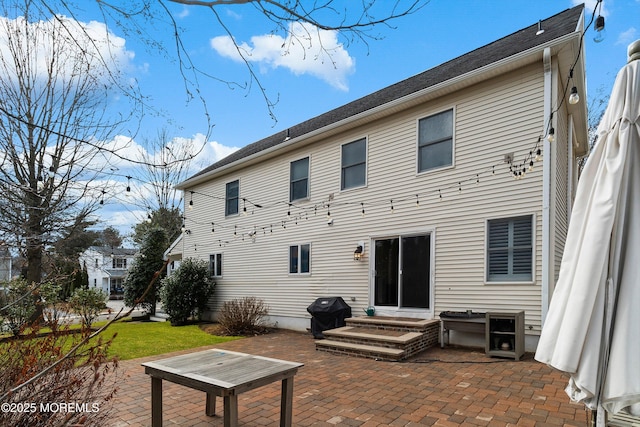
(502, 115)
(510, 249)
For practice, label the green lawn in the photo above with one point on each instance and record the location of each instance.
(140, 339)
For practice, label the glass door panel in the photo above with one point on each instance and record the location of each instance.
(415, 271)
(386, 272)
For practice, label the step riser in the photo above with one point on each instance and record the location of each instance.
(359, 353)
(428, 338)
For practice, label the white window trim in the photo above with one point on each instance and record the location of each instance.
(453, 143)
(405, 311)
(225, 198)
(366, 159)
(299, 245)
(308, 180)
(216, 274)
(533, 251)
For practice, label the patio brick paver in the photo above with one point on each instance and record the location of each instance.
(439, 387)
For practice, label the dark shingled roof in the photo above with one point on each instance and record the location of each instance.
(554, 27)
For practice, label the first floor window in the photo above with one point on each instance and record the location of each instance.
(510, 249)
(215, 265)
(299, 259)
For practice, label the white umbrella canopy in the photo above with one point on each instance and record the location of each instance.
(592, 329)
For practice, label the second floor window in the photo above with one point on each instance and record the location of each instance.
(354, 164)
(119, 263)
(232, 198)
(299, 180)
(435, 141)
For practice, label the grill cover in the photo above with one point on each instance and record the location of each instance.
(327, 313)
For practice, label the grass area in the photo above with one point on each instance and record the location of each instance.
(141, 339)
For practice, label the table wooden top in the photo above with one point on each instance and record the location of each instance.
(221, 368)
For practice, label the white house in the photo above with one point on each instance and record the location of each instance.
(107, 268)
(443, 186)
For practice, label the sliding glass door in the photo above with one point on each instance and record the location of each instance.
(402, 272)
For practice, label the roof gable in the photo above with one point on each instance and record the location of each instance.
(559, 25)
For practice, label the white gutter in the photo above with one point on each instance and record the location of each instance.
(464, 79)
(547, 164)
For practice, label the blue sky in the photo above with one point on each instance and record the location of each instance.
(307, 86)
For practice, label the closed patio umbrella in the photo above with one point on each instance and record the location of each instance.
(592, 329)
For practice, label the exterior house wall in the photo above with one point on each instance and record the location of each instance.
(100, 268)
(500, 116)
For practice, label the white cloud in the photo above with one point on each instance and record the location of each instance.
(306, 50)
(627, 37)
(590, 5)
(104, 52)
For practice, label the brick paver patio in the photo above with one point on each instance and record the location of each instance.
(440, 387)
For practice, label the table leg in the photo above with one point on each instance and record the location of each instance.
(156, 402)
(231, 410)
(286, 403)
(211, 404)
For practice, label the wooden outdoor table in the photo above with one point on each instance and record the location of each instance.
(221, 373)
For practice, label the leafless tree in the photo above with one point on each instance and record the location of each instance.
(166, 162)
(53, 124)
(353, 20)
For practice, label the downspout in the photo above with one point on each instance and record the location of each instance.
(546, 187)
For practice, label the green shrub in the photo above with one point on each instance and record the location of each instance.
(245, 316)
(88, 303)
(16, 304)
(185, 293)
(53, 308)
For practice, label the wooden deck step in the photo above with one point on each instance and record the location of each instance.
(372, 335)
(360, 350)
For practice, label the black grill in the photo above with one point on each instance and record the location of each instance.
(327, 313)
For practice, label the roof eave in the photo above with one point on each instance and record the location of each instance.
(452, 85)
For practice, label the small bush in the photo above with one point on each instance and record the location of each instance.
(53, 308)
(245, 316)
(16, 304)
(88, 303)
(186, 292)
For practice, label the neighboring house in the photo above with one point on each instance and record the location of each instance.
(174, 255)
(107, 268)
(5, 262)
(411, 181)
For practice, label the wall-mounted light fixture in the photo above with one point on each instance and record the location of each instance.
(358, 254)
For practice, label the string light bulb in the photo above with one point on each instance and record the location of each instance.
(538, 155)
(551, 136)
(362, 205)
(574, 98)
(599, 27)
(417, 201)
